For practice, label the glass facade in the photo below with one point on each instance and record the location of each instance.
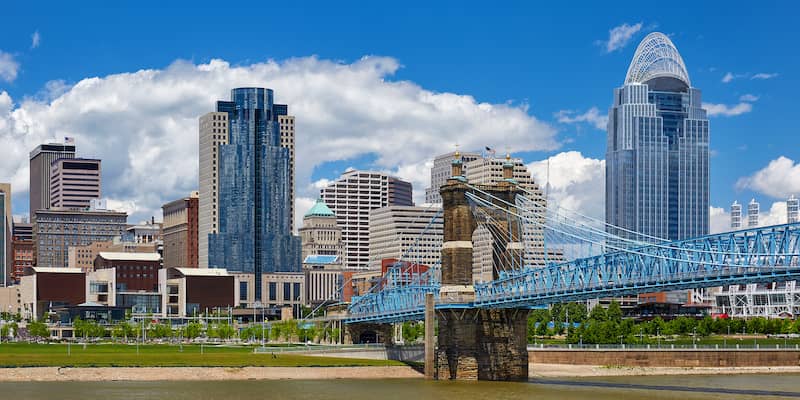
(254, 234)
(658, 150)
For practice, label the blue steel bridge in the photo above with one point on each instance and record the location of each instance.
(576, 258)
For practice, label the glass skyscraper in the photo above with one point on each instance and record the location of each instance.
(657, 152)
(254, 233)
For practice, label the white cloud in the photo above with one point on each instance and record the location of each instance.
(576, 182)
(719, 220)
(728, 77)
(764, 75)
(619, 36)
(143, 124)
(592, 116)
(8, 67)
(35, 39)
(725, 110)
(748, 97)
(779, 179)
(302, 205)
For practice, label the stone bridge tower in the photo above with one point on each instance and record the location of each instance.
(484, 344)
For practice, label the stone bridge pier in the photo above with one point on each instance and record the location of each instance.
(478, 344)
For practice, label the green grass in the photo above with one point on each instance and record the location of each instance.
(117, 355)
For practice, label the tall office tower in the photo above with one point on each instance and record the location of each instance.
(753, 209)
(213, 134)
(792, 210)
(489, 171)
(55, 231)
(321, 235)
(253, 230)
(74, 182)
(657, 151)
(407, 233)
(6, 240)
(352, 197)
(180, 232)
(441, 172)
(736, 215)
(41, 159)
(286, 125)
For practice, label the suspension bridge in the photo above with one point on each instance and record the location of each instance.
(542, 255)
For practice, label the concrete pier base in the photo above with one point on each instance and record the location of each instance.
(482, 344)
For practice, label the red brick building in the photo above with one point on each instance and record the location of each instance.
(181, 232)
(22, 257)
(134, 271)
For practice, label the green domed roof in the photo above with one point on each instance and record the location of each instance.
(320, 209)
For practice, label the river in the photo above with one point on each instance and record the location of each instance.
(607, 388)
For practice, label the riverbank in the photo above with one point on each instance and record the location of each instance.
(586, 371)
(56, 374)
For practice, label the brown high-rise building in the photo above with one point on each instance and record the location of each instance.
(74, 182)
(41, 159)
(181, 232)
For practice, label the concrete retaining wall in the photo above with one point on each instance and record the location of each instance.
(668, 358)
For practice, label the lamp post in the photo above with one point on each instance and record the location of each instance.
(658, 337)
(694, 336)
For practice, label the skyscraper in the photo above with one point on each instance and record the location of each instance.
(657, 151)
(74, 182)
(440, 173)
(792, 209)
(41, 159)
(253, 169)
(6, 223)
(352, 197)
(180, 232)
(753, 209)
(736, 215)
(214, 129)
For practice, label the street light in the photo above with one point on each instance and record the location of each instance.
(694, 336)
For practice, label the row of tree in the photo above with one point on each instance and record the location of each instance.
(605, 326)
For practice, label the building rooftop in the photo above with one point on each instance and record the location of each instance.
(320, 209)
(201, 271)
(656, 57)
(321, 259)
(56, 270)
(129, 256)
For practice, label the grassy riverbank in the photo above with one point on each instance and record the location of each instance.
(118, 355)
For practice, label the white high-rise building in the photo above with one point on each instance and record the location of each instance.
(441, 172)
(792, 210)
(736, 215)
(213, 133)
(407, 233)
(752, 213)
(352, 197)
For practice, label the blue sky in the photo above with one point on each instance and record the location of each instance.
(549, 58)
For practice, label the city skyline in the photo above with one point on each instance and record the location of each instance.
(743, 95)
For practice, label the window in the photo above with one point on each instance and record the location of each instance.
(287, 296)
(243, 291)
(272, 289)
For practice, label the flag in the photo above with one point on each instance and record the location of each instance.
(69, 140)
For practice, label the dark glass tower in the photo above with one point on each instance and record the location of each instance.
(254, 234)
(657, 153)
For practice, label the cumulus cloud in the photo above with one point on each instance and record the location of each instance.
(35, 39)
(779, 179)
(726, 110)
(728, 77)
(619, 36)
(748, 97)
(574, 182)
(8, 67)
(592, 116)
(744, 106)
(764, 75)
(143, 124)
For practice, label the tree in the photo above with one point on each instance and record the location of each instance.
(38, 329)
(598, 313)
(192, 330)
(123, 330)
(614, 312)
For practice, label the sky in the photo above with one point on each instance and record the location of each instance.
(388, 86)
